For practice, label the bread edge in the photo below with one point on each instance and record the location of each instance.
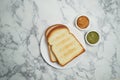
(58, 26)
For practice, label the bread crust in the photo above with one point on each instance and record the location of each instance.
(50, 54)
(57, 26)
(51, 29)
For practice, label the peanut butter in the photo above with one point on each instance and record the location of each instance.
(83, 22)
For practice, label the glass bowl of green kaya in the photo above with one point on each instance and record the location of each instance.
(92, 37)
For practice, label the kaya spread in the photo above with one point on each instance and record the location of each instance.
(92, 37)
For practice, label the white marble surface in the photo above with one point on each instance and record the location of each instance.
(22, 22)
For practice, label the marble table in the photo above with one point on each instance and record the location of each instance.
(23, 22)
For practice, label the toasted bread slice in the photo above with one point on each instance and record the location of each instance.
(64, 44)
(52, 56)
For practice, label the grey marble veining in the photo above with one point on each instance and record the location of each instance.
(22, 23)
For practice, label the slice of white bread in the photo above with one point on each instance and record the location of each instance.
(64, 45)
(52, 57)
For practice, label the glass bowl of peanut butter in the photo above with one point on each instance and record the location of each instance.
(82, 22)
